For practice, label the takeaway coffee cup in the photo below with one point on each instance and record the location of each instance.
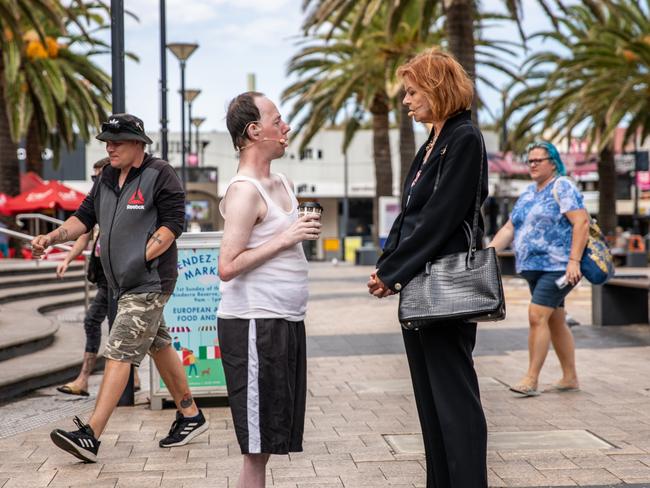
(310, 208)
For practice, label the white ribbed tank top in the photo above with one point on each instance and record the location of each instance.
(278, 287)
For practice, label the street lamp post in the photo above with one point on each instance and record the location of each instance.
(197, 121)
(163, 82)
(117, 56)
(190, 95)
(346, 203)
(182, 51)
(119, 106)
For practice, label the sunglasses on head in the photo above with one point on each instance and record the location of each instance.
(112, 126)
(117, 127)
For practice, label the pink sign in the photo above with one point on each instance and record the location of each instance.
(643, 180)
(192, 159)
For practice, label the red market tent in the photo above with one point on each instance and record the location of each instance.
(48, 195)
(3, 204)
(29, 181)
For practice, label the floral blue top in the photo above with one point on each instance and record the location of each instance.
(542, 232)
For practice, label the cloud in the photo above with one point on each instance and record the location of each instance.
(192, 12)
(257, 5)
(178, 12)
(258, 32)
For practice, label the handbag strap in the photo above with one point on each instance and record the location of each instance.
(477, 203)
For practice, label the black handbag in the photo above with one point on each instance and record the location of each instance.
(461, 286)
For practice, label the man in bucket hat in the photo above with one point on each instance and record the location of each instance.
(140, 205)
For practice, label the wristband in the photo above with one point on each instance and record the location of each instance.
(573, 259)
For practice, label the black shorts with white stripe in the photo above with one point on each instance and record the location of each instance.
(265, 364)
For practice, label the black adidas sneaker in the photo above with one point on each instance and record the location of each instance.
(80, 443)
(184, 429)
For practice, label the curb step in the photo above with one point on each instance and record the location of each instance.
(49, 278)
(31, 291)
(58, 362)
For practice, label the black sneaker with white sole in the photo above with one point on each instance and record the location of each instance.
(184, 429)
(80, 443)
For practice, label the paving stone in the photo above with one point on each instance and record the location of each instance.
(324, 483)
(30, 480)
(290, 474)
(124, 465)
(108, 483)
(17, 467)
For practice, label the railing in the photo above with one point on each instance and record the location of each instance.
(37, 216)
(35, 222)
(27, 237)
(62, 247)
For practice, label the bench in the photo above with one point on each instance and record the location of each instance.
(623, 300)
(507, 263)
(630, 259)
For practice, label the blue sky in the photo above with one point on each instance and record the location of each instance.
(236, 37)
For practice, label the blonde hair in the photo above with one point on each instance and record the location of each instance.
(445, 83)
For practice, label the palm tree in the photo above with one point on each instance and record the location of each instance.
(58, 112)
(338, 70)
(340, 75)
(570, 89)
(14, 16)
(73, 97)
(334, 76)
(462, 19)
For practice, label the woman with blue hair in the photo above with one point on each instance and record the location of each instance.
(549, 226)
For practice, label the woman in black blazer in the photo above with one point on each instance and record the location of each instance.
(431, 224)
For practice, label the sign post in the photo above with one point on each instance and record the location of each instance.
(191, 317)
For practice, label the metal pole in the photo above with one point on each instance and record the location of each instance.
(183, 172)
(504, 123)
(117, 55)
(637, 227)
(164, 148)
(189, 127)
(119, 106)
(346, 204)
(198, 143)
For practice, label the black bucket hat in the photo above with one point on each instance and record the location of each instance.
(123, 127)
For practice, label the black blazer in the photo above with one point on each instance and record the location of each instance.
(431, 225)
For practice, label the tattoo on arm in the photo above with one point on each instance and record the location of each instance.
(154, 239)
(186, 401)
(62, 235)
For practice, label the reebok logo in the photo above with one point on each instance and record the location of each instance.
(136, 202)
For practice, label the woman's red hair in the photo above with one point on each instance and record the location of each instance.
(443, 80)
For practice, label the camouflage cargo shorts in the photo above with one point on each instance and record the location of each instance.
(138, 328)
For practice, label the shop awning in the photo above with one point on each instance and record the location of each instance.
(47, 195)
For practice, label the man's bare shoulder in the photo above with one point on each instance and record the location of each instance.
(243, 191)
(244, 197)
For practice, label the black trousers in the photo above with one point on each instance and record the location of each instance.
(449, 404)
(96, 314)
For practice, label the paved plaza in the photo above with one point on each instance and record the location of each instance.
(361, 428)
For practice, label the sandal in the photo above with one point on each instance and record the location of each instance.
(71, 389)
(525, 390)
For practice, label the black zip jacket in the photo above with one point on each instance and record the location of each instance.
(431, 225)
(152, 196)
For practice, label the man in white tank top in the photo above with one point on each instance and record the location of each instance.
(263, 274)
